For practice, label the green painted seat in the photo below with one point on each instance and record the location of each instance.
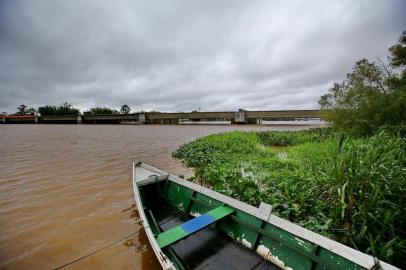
(191, 226)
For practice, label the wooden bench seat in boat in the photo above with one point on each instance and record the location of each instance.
(179, 232)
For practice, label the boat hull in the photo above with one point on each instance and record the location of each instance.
(280, 242)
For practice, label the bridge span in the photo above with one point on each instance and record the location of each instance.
(235, 117)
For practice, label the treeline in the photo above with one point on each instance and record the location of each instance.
(372, 97)
(68, 109)
(64, 109)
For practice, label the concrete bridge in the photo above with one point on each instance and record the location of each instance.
(238, 117)
(235, 117)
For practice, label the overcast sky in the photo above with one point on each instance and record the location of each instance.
(182, 55)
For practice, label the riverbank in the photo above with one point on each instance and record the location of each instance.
(349, 189)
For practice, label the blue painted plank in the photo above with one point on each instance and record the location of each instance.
(198, 223)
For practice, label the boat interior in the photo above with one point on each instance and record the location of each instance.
(207, 247)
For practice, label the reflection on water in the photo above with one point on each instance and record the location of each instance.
(65, 191)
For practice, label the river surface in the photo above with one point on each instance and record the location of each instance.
(66, 191)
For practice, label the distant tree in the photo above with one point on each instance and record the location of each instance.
(47, 110)
(21, 109)
(67, 109)
(101, 110)
(125, 109)
(31, 111)
(372, 97)
(398, 61)
(64, 109)
(398, 52)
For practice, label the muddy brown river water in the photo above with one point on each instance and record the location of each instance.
(66, 191)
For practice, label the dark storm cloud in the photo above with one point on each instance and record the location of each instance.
(182, 55)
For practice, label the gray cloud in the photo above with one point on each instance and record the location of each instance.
(181, 55)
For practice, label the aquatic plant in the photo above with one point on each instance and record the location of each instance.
(287, 138)
(350, 189)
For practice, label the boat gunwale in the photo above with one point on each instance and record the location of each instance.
(355, 256)
(165, 262)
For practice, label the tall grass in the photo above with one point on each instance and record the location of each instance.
(351, 190)
(365, 181)
(287, 138)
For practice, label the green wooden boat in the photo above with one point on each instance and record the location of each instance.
(192, 227)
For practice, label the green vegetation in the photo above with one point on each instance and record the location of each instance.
(372, 97)
(24, 110)
(68, 109)
(125, 109)
(64, 109)
(350, 189)
(101, 110)
(294, 138)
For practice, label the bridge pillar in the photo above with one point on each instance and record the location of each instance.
(141, 118)
(240, 117)
(79, 119)
(259, 121)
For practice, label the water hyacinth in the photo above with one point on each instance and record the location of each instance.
(350, 189)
